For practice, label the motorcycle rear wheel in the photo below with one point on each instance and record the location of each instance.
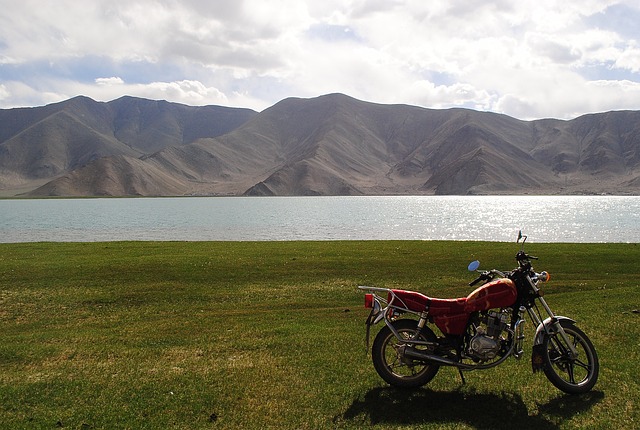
(573, 376)
(392, 366)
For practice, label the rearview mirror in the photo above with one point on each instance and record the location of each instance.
(473, 266)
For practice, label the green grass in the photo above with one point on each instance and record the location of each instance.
(251, 335)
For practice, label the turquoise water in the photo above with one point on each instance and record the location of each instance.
(542, 218)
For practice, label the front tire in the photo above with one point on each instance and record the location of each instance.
(573, 376)
(395, 368)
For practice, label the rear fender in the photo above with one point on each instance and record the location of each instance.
(376, 314)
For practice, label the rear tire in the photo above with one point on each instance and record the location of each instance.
(396, 369)
(573, 376)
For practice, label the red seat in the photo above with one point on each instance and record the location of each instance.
(449, 315)
(412, 300)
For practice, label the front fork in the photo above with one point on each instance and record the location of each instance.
(557, 328)
(552, 324)
(549, 327)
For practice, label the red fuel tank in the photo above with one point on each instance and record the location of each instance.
(500, 293)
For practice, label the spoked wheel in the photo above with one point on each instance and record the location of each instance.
(395, 368)
(572, 375)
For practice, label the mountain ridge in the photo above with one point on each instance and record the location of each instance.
(327, 145)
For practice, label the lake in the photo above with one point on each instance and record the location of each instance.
(494, 218)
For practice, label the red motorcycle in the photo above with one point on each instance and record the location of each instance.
(479, 331)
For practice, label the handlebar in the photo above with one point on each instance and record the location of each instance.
(483, 277)
(524, 264)
(487, 276)
(522, 256)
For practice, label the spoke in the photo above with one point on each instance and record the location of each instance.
(560, 361)
(402, 367)
(585, 366)
(397, 362)
(577, 342)
(572, 378)
(394, 362)
(558, 347)
(567, 364)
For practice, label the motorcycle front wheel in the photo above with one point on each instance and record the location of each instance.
(395, 368)
(572, 375)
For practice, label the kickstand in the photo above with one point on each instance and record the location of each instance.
(461, 376)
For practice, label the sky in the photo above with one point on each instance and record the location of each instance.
(526, 59)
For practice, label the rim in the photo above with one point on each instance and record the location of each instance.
(398, 365)
(573, 371)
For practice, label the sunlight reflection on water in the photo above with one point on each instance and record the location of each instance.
(543, 218)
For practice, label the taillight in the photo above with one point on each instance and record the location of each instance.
(368, 300)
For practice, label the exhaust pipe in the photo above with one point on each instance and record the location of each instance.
(411, 352)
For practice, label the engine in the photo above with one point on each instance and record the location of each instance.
(486, 342)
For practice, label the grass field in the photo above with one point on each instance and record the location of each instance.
(253, 335)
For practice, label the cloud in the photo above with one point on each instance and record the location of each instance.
(114, 80)
(187, 91)
(629, 59)
(4, 93)
(525, 59)
(190, 92)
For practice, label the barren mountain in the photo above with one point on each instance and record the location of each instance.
(38, 145)
(329, 145)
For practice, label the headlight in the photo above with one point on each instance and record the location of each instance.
(543, 277)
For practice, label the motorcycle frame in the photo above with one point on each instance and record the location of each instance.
(381, 312)
(549, 331)
(386, 310)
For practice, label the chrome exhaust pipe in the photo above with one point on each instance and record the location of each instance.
(411, 352)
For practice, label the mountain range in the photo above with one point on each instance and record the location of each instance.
(328, 145)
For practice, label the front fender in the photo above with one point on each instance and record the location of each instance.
(540, 331)
(537, 358)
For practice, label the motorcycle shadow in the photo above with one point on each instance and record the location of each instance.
(385, 405)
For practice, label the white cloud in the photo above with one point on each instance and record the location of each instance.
(19, 94)
(425, 93)
(629, 59)
(613, 95)
(114, 80)
(4, 93)
(526, 59)
(189, 92)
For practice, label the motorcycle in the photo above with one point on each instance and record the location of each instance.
(477, 332)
